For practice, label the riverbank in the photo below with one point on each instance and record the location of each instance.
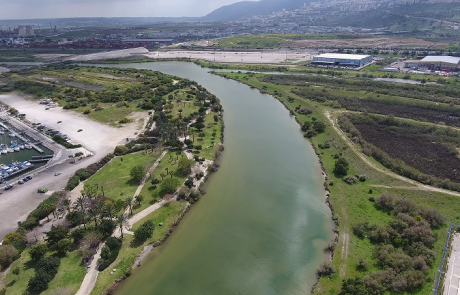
(350, 203)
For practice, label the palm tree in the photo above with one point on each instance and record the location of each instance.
(94, 214)
(109, 210)
(82, 217)
(121, 221)
(66, 203)
(162, 176)
(80, 202)
(130, 202)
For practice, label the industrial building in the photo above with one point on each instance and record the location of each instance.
(353, 60)
(440, 63)
(26, 31)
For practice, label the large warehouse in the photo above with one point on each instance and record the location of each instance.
(440, 63)
(336, 59)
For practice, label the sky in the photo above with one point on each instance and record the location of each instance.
(24, 9)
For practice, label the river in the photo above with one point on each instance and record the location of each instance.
(263, 225)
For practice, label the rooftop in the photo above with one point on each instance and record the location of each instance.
(440, 59)
(342, 56)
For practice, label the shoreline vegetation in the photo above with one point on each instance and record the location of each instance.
(185, 123)
(356, 198)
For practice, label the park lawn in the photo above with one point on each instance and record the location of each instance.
(70, 274)
(168, 214)
(18, 284)
(209, 143)
(351, 202)
(128, 253)
(182, 94)
(189, 109)
(115, 176)
(110, 113)
(154, 194)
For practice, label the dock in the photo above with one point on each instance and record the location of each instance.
(22, 138)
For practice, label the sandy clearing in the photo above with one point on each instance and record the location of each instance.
(266, 57)
(109, 54)
(4, 70)
(95, 136)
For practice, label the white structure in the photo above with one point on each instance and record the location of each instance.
(355, 60)
(440, 63)
(26, 31)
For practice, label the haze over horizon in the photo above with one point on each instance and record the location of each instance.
(31, 9)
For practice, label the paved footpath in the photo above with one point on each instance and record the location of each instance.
(91, 276)
(452, 278)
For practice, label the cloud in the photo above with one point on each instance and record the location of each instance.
(18, 9)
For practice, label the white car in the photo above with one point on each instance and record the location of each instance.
(57, 173)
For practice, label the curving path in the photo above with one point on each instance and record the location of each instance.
(366, 160)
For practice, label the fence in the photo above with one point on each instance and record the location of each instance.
(441, 267)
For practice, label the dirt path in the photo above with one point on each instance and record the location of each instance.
(418, 186)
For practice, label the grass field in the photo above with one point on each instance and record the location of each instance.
(207, 142)
(152, 193)
(351, 203)
(110, 114)
(70, 275)
(115, 176)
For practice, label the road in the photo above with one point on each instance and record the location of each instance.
(452, 278)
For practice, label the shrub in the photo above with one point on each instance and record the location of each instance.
(145, 231)
(40, 281)
(325, 269)
(38, 252)
(73, 182)
(341, 166)
(362, 264)
(305, 111)
(184, 166)
(137, 173)
(114, 246)
(82, 174)
(361, 229)
(350, 179)
(106, 227)
(12, 237)
(87, 111)
(385, 201)
(7, 254)
(319, 127)
(78, 234)
(169, 185)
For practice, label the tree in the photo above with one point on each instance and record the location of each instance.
(184, 166)
(139, 199)
(341, 166)
(12, 237)
(319, 127)
(64, 246)
(129, 203)
(137, 173)
(16, 271)
(169, 185)
(145, 231)
(7, 253)
(121, 222)
(189, 182)
(353, 287)
(38, 252)
(56, 234)
(162, 176)
(106, 227)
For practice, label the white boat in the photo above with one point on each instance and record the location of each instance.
(4, 151)
(28, 146)
(2, 132)
(10, 150)
(11, 134)
(27, 163)
(21, 146)
(16, 149)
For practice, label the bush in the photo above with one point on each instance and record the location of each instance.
(350, 179)
(305, 111)
(78, 234)
(73, 182)
(38, 252)
(325, 269)
(7, 254)
(385, 201)
(114, 246)
(169, 185)
(341, 166)
(12, 237)
(319, 127)
(137, 173)
(184, 166)
(107, 227)
(121, 150)
(40, 281)
(145, 231)
(82, 174)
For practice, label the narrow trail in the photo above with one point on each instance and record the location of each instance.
(417, 185)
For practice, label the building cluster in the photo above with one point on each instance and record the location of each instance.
(343, 60)
(434, 63)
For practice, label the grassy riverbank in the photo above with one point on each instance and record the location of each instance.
(351, 203)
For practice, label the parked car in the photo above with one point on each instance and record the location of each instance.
(42, 190)
(80, 130)
(59, 122)
(20, 182)
(8, 187)
(57, 173)
(29, 177)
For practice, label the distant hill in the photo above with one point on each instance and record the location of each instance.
(247, 9)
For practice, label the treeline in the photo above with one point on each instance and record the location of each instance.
(439, 93)
(446, 155)
(403, 249)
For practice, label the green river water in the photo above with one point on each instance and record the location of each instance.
(263, 224)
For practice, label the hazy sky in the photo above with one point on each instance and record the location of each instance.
(19, 9)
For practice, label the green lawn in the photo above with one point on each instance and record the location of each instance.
(207, 143)
(167, 214)
(110, 114)
(351, 203)
(70, 274)
(153, 194)
(187, 110)
(115, 176)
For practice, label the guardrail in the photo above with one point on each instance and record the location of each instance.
(441, 267)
